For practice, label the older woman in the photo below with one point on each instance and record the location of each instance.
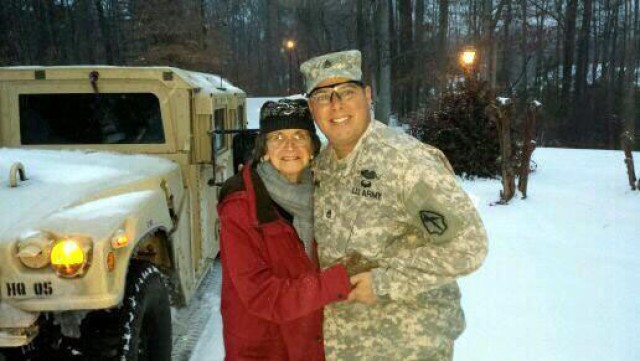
(272, 289)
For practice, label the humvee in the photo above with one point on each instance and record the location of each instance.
(108, 186)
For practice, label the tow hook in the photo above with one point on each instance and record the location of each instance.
(16, 169)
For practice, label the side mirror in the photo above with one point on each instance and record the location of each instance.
(243, 144)
(203, 149)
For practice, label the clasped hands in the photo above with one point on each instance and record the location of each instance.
(362, 289)
(359, 270)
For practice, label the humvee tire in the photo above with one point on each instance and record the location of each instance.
(139, 329)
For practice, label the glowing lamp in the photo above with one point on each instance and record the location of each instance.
(67, 258)
(468, 57)
(290, 44)
(120, 240)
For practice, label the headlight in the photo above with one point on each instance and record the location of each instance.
(70, 256)
(34, 250)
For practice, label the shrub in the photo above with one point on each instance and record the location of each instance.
(461, 128)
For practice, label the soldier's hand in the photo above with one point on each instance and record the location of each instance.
(356, 263)
(362, 290)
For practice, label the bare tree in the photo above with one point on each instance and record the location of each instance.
(382, 85)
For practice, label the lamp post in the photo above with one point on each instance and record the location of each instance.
(467, 59)
(290, 45)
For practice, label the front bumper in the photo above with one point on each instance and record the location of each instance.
(17, 327)
(26, 293)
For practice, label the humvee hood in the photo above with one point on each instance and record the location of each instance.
(60, 179)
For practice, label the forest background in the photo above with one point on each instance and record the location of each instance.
(580, 59)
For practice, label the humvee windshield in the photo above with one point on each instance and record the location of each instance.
(105, 118)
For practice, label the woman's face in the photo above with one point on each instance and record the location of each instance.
(289, 151)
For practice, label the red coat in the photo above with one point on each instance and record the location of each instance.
(272, 293)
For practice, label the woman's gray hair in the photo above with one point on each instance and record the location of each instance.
(260, 146)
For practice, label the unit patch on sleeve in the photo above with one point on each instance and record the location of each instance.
(433, 222)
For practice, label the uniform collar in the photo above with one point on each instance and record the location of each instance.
(346, 164)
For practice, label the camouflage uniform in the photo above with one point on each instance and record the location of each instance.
(396, 202)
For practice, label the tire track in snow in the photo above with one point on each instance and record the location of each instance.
(190, 322)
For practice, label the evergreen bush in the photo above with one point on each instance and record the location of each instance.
(461, 128)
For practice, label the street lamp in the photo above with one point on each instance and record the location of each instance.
(290, 45)
(467, 59)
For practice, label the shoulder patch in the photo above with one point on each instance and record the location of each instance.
(433, 222)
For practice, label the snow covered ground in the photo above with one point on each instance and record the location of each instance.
(562, 278)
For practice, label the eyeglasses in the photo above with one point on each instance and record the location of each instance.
(344, 91)
(278, 140)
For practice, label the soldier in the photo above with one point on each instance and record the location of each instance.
(390, 206)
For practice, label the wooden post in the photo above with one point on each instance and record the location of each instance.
(501, 115)
(627, 145)
(527, 147)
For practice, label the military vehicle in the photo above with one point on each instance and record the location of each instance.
(108, 186)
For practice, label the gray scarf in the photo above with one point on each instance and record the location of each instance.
(295, 198)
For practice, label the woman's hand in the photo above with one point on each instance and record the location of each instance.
(362, 290)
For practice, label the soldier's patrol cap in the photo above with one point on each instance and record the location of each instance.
(343, 64)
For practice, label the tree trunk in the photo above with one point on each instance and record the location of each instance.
(273, 63)
(105, 29)
(629, 85)
(383, 84)
(568, 49)
(442, 49)
(583, 53)
(360, 25)
(501, 115)
(405, 53)
(627, 145)
(528, 147)
(524, 51)
(505, 68)
(418, 31)
(489, 62)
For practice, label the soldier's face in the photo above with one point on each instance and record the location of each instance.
(289, 151)
(345, 117)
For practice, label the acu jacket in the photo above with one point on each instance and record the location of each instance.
(272, 293)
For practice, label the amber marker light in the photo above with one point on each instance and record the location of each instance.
(67, 258)
(120, 239)
(111, 261)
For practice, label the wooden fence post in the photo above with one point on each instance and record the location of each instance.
(528, 146)
(501, 114)
(627, 145)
